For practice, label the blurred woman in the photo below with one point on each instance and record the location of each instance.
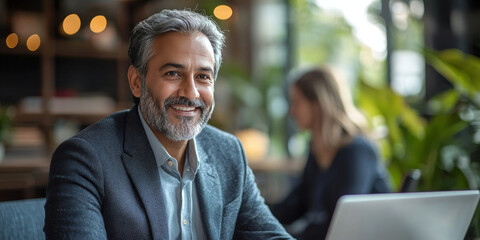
(341, 159)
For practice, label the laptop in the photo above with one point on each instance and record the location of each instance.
(399, 216)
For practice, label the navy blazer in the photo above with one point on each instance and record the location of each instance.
(104, 183)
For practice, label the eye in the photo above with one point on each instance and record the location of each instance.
(204, 77)
(172, 74)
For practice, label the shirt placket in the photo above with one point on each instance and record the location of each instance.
(186, 211)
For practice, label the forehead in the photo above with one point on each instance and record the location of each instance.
(177, 45)
(295, 92)
(297, 95)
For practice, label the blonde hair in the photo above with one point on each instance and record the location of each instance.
(340, 120)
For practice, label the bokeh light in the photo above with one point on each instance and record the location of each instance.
(223, 12)
(254, 142)
(12, 40)
(71, 24)
(98, 24)
(33, 42)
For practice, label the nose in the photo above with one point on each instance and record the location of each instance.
(188, 89)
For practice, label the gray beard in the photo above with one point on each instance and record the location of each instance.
(157, 117)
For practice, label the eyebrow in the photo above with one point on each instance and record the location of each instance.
(180, 66)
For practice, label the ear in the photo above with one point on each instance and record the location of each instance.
(135, 81)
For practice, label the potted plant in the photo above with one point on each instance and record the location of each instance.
(5, 128)
(444, 141)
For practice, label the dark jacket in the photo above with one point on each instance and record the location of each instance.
(104, 183)
(355, 170)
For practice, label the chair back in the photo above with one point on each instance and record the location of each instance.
(411, 181)
(22, 219)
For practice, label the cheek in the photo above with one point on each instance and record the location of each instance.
(296, 112)
(305, 117)
(207, 95)
(309, 119)
(160, 91)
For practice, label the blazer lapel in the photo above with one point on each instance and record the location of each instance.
(209, 195)
(140, 164)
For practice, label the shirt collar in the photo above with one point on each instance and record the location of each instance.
(161, 154)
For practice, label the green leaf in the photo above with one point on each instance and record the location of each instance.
(6, 115)
(462, 70)
(440, 130)
(443, 102)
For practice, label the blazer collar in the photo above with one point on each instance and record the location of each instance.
(209, 193)
(140, 164)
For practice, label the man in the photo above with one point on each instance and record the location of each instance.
(157, 171)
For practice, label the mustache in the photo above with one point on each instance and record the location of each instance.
(184, 101)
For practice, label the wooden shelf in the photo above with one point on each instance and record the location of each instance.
(22, 178)
(37, 118)
(83, 49)
(15, 164)
(86, 110)
(52, 71)
(19, 50)
(69, 48)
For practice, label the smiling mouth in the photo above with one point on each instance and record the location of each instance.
(183, 108)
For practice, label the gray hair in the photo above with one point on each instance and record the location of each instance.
(184, 21)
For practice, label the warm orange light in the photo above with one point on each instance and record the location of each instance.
(12, 40)
(98, 24)
(254, 142)
(223, 12)
(71, 24)
(33, 42)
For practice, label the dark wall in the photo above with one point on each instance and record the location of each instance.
(450, 24)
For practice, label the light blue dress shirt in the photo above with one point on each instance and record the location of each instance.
(181, 202)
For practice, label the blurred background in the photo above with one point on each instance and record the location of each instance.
(412, 66)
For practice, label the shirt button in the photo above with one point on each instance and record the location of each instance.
(185, 221)
(170, 163)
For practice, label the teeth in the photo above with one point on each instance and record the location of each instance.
(183, 108)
